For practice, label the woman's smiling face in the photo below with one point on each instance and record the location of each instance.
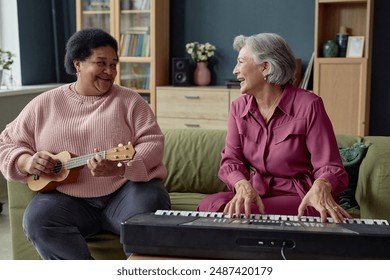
(97, 73)
(248, 72)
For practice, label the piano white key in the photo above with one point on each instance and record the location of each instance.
(369, 221)
(383, 222)
(304, 218)
(317, 219)
(220, 215)
(202, 214)
(185, 213)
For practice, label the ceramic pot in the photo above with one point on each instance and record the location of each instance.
(330, 49)
(342, 42)
(202, 74)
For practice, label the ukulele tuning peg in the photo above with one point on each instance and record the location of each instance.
(129, 143)
(119, 164)
(120, 145)
(128, 163)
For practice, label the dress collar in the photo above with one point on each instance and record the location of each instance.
(285, 103)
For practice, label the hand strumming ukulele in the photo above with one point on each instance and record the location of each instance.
(67, 168)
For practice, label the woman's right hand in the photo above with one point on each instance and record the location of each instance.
(36, 164)
(245, 195)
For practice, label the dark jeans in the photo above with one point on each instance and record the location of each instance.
(58, 224)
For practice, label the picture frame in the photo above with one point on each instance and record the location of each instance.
(355, 46)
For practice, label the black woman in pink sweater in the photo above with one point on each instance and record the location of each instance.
(86, 117)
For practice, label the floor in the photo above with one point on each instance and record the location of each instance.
(5, 235)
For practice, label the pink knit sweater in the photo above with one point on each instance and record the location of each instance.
(61, 120)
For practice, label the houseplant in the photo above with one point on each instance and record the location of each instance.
(6, 62)
(201, 54)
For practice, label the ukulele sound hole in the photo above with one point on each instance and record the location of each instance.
(57, 168)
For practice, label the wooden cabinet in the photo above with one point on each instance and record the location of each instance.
(141, 28)
(344, 82)
(194, 107)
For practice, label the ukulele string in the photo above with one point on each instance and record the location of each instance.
(82, 160)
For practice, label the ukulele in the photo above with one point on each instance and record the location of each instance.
(67, 168)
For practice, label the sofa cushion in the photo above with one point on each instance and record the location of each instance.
(352, 158)
(346, 141)
(192, 157)
(185, 201)
(372, 192)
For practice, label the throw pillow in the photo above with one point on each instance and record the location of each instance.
(351, 157)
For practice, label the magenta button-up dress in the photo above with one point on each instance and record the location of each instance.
(282, 158)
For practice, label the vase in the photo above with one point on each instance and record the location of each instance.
(342, 41)
(330, 49)
(202, 74)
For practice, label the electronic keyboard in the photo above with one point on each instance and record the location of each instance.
(213, 235)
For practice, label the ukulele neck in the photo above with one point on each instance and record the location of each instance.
(82, 160)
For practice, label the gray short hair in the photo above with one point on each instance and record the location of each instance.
(274, 49)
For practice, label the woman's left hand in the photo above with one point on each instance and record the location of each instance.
(103, 168)
(319, 196)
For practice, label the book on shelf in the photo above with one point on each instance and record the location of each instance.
(137, 76)
(306, 77)
(97, 5)
(145, 97)
(135, 42)
(139, 4)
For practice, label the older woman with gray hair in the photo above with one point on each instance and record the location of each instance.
(281, 155)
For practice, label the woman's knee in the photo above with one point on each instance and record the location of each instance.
(157, 196)
(34, 220)
(150, 195)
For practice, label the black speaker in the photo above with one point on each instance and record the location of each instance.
(181, 71)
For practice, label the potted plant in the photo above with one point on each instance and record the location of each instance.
(6, 61)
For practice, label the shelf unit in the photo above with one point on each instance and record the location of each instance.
(141, 28)
(342, 82)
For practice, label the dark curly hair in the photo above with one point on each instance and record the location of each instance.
(81, 44)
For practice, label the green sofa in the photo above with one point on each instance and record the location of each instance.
(192, 158)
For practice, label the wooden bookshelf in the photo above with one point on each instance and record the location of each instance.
(344, 82)
(141, 28)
